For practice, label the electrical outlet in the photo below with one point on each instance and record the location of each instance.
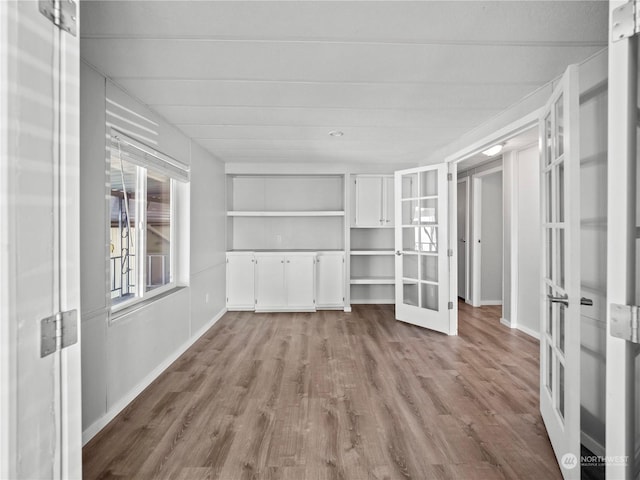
(206, 298)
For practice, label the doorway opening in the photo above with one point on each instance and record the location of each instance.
(498, 215)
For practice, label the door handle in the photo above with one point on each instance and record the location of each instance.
(463, 240)
(563, 300)
(398, 252)
(586, 302)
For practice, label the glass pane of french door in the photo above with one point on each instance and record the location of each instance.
(419, 207)
(554, 187)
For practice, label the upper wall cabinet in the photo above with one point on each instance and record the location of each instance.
(374, 201)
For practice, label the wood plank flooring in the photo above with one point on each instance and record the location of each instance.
(332, 395)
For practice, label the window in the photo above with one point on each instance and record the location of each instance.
(142, 221)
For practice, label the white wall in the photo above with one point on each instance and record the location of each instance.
(528, 238)
(491, 246)
(121, 356)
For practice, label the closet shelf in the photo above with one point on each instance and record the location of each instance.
(304, 213)
(373, 251)
(377, 280)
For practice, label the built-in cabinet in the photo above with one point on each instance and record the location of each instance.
(285, 242)
(240, 281)
(372, 260)
(285, 281)
(330, 291)
(374, 204)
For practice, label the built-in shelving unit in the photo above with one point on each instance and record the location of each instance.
(285, 212)
(286, 238)
(372, 255)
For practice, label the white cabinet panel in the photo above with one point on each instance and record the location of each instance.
(369, 201)
(389, 206)
(270, 286)
(300, 282)
(240, 281)
(330, 280)
(374, 201)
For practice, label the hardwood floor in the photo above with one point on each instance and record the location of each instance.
(332, 395)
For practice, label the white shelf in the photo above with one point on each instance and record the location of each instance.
(305, 213)
(378, 280)
(373, 251)
(373, 226)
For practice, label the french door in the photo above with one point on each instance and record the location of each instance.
(560, 307)
(40, 398)
(421, 244)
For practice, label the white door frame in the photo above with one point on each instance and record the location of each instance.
(476, 233)
(500, 135)
(621, 255)
(467, 228)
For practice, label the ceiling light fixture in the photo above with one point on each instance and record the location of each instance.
(496, 149)
(336, 133)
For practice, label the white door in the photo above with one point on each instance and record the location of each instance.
(40, 395)
(270, 290)
(369, 201)
(300, 282)
(623, 267)
(462, 219)
(560, 299)
(240, 281)
(421, 240)
(330, 280)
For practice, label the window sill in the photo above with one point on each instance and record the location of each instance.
(141, 304)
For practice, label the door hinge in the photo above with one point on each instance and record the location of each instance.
(450, 177)
(450, 252)
(450, 306)
(625, 322)
(625, 21)
(63, 326)
(63, 14)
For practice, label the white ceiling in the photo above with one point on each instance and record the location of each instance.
(266, 81)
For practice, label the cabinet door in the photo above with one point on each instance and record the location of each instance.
(270, 291)
(240, 281)
(300, 281)
(389, 202)
(330, 281)
(369, 201)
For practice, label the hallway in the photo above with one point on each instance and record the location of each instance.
(336, 395)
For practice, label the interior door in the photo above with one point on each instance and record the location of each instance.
(39, 261)
(560, 299)
(462, 219)
(421, 241)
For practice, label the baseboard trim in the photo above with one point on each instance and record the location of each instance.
(592, 444)
(490, 302)
(93, 429)
(528, 331)
(506, 323)
(373, 301)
